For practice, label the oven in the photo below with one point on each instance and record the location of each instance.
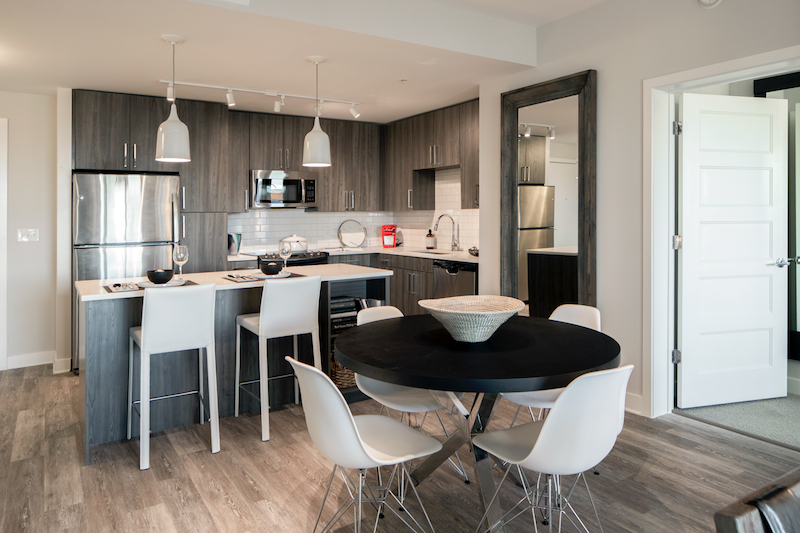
(271, 189)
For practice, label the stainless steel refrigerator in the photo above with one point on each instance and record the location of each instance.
(535, 221)
(122, 226)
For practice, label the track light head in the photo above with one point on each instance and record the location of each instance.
(354, 111)
(276, 107)
(170, 93)
(552, 132)
(528, 131)
(229, 96)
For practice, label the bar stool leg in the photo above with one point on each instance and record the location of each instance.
(144, 406)
(264, 386)
(296, 384)
(238, 370)
(130, 385)
(213, 406)
(315, 345)
(200, 385)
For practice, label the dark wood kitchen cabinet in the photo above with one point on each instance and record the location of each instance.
(436, 138)
(117, 132)
(402, 188)
(412, 281)
(276, 141)
(204, 179)
(352, 182)
(532, 159)
(470, 145)
(206, 236)
(238, 161)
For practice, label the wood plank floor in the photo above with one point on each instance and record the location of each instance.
(665, 475)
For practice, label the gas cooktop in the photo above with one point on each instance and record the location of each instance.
(310, 257)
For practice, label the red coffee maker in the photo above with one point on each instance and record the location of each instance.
(389, 235)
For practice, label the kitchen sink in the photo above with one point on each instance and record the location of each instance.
(433, 252)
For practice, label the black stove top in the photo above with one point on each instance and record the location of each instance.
(310, 257)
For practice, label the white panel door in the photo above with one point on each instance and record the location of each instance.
(733, 216)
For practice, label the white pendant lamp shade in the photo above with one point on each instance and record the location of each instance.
(172, 140)
(316, 147)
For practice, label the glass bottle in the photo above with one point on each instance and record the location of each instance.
(430, 240)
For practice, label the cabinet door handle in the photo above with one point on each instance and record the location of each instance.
(183, 198)
(352, 200)
(430, 155)
(287, 159)
(280, 158)
(246, 200)
(134, 155)
(184, 226)
(346, 201)
(478, 194)
(435, 154)
(410, 203)
(125, 155)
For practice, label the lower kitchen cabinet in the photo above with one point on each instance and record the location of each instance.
(412, 281)
(205, 234)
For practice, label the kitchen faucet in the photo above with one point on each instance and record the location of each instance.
(454, 242)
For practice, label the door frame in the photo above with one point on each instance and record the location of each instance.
(658, 209)
(3, 243)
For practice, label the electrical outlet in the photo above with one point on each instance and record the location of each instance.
(27, 235)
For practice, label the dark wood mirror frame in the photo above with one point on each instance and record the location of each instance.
(584, 85)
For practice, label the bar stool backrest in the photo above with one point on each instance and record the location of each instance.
(329, 420)
(371, 314)
(290, 306)
(580, 315)
(178, 318)
(583, 424)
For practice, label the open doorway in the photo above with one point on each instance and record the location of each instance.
(755, 194)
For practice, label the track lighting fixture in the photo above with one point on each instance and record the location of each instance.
(528, 131)
(551, 132)
(170, 93)
(279, 104)
(354, 111)
(172, 138)
(229, 96)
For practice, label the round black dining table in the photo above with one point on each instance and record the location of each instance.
(524, 354)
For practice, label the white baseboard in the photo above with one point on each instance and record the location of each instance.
(633, 403)
(31, 359)
(793, 385)
(61, 366)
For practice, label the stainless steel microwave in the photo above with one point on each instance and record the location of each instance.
(281, 189)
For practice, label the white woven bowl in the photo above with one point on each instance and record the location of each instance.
(473, 318)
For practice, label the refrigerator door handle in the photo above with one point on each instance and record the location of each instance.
(175, 222)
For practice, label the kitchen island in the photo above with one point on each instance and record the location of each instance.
(106, 317)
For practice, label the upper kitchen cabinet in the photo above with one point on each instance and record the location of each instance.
(113, 131)
(470, 144)
(276, 141)
(352, 182)
(204, 180)
(531, 160)
(436, 139)
(402, 188)
(238, 161)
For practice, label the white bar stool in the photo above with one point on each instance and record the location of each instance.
(289, 307)
(174, 319)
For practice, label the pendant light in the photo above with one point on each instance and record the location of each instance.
(172, 139)
(317, 145)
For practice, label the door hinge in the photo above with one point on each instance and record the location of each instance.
(677, 127)
(676, 356)
(677, 242)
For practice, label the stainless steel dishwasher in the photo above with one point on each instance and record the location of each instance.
(454, 278)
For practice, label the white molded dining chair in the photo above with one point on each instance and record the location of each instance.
(579, 432)
(580, 315)
(400, 397)
(174, 319)
(289, 307)
(359, 442)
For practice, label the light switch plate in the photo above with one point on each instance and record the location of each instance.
(27, 235)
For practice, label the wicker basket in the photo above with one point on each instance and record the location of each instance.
(342, 377)
(473, 318)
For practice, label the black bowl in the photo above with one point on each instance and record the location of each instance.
(270, 268)
(159, 276)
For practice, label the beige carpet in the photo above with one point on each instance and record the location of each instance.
(776, 419)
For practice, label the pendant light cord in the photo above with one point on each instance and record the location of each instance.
(317, 95)
(173, 70)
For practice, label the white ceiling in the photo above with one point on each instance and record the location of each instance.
(116, 46)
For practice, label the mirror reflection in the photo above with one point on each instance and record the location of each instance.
(547, 198)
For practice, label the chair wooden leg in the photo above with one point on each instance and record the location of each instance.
(130, 386)
(238, 369)
(264, 386)
(144, 408)
(213, 406)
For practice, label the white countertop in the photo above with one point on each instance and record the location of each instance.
(561, 250)
(445, 255)
(95, 289)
